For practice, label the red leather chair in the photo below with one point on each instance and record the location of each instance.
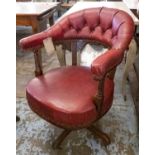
(75, 97)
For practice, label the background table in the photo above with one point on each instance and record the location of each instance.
(118, 5)
(35, 14)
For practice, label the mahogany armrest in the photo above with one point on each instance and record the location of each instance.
(34, 41)
(107, 61)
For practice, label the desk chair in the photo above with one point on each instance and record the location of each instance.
(75, 97)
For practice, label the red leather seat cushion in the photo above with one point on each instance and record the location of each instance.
(63, 96)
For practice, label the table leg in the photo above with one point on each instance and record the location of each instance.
(59, 12)
(131, 55)
(51, 20)
(59, 8)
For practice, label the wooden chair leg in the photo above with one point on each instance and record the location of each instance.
(17, 118)
(60, 139)
(105, 138)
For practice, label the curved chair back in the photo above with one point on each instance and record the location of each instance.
(111, 27)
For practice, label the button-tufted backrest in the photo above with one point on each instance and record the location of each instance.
(109, 26)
